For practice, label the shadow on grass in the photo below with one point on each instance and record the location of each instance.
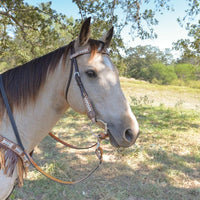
(130, 184)
(150, 178)
(113, 181)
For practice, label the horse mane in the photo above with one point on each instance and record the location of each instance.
(22, 83)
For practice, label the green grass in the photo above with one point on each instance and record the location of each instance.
(164, 164)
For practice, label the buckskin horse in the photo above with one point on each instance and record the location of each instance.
(79, 75)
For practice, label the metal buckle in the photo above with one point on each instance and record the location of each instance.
(102, 135)
(77, 73)
(103, 123)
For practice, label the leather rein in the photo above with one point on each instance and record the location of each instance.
(19, 149)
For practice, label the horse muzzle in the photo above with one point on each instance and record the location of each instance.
(124, 138)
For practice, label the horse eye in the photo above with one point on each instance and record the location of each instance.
(90, 73)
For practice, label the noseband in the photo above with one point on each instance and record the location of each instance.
(19, 149)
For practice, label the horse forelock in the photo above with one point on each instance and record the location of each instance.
(94, 46)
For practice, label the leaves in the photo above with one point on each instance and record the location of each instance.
(28, 31)
(138, 15)
(151, 64)
(190, 48)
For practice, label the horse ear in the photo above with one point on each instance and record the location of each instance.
(106, 38)
(84, 33)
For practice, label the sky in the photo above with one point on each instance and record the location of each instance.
(168, 29)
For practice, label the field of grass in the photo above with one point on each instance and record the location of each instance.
(164, 164)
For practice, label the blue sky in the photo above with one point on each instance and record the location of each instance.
(168, 30)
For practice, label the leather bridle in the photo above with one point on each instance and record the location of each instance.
(19, 149)
(84, 95)
(88, 105)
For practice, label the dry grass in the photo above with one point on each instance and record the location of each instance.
(168, 95)
(164, 164)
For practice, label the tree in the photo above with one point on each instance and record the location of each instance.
(140, 16)
(140, 58)
(28, 31)
(162, 74)
(190, 48)
(135, 14)
(186, 72)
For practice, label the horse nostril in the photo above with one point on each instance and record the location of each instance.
(129, 135)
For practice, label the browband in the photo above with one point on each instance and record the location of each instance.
(86, 51)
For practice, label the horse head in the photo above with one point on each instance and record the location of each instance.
(101, 81)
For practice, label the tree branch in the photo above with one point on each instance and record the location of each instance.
(112, 12)
(21, 28)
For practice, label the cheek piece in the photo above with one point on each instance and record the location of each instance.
(88, 105)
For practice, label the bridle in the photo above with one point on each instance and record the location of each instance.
(84, 95)
(19, 149)
(88, 105)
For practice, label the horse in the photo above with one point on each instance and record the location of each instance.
(40, 91)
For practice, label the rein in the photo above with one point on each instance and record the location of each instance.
(19, 149)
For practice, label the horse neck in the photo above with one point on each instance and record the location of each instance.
(37, 119)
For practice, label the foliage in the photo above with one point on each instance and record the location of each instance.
(141, 58)
(190, 48)
(142, 100)
(28, 31)
(161, 74)
(186, 71)
(140, 16)
(134, 13)
(150, 64)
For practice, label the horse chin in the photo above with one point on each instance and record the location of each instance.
(112, 140)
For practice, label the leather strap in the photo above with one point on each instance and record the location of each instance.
(99, 153)
(12, 120)
(69, 145)
(90, 110)
(69, 80)
(79, 53)
(16, 149)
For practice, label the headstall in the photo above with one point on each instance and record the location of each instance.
(19, 149)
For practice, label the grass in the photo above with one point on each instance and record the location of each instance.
(164, 164)
(168, 95)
